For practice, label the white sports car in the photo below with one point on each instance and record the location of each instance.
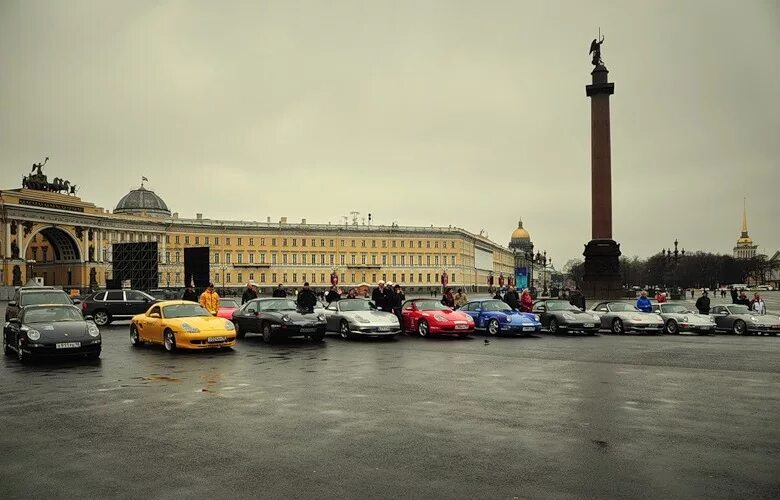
(359, 317)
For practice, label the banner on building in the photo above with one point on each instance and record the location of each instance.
(521, 277)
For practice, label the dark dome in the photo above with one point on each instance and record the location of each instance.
(142, 201)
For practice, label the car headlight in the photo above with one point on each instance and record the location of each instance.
(286, 318)
(189, 328)
(753, 318)
(504, 318)
(568, 316)
(33, 334)
(321, 317)
(596, 318)
(536, 317)
(229, 325)
(439, 317)
(92, 330)
(685, 319)
(636, 318)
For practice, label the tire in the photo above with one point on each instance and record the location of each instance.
(493, 328)
(268, 334)
(739, 328)
(20, 355)
(135, 339)
(169, 341)
(101, 318)
(240, 334)
(617, 327)
(672, 328)
(422, 328)
(344, 330)
(553, 328)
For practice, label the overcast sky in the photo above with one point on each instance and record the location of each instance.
(428, 112)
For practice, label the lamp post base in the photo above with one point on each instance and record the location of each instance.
(602, 278)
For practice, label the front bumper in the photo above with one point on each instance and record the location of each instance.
(45, 350)
(644, 327)
(451, 329)
(201, 340)
(521, 328)
(687, 327)
(592, 327)
(763, 328)
(375, 330)
(298, 330)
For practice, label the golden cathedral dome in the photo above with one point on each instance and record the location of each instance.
(520, 233)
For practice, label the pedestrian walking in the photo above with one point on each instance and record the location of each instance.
(250, 292)
(757, 305)
(643, 303)
(703, 303)
(526, 301)
(577, 298)
(189, 294)
(460, 298)
(306, 299)
(279, 291)
(209, 299)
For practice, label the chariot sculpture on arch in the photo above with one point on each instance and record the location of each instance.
(38, 181)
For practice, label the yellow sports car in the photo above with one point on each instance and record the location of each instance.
(180, 324)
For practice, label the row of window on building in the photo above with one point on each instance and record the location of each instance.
(227, 278)
(303, 242)
(322, 259)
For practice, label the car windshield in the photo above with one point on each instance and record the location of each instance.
(228, 303)
(560, 305)
(184, 311)
(277, 305)
(738, 309)
(355, 305)
(47, 297)
(673, 308)
(430, 305)
(496, 305)
(621, 307)
(49, 314)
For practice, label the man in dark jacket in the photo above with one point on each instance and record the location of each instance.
(280, 291)
(398, 300)
(189, 294)
(734, 295)
(512, 298)
(703, 303)
(306, 298)
(379, 297)
(250, 293)
(333, 295)
(577, 298)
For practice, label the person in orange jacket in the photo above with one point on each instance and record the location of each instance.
(209, 299)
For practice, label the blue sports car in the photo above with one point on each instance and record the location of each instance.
(496, 318)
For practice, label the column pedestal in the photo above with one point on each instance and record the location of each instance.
(602, 278)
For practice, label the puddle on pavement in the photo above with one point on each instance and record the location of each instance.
(161, 378)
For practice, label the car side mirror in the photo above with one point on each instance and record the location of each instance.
(88, 318)
(155, 315)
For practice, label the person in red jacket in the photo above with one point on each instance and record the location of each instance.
(660, 297)
(526, 301)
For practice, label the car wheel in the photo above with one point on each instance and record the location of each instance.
(553, 326)
(268, 335)
(169, 341)
(422, 328)
(739, 327)
(493, 328)
(101, 318)
(135, 339)
(23, 358)
(344, 330)
(617, 327)
(240, 334)
(672, 328)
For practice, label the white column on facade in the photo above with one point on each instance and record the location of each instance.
(8, 239)
(163, 259)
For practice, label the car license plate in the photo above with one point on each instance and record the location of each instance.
(461, 327)
(383, 329)
(308, 330)
(776, 327)
(216, 339)
(528, 328)
(68, 345)
(589, 325)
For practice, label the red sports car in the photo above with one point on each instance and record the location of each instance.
(431, 317)
(226, 308)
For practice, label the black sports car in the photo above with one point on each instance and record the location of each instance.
(278, 317)
(51, 330)
(560, 316)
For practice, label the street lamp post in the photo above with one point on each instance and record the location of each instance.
(674, 257)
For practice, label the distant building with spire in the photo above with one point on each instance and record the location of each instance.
(745, 248)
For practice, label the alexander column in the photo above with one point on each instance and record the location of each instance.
(602, 267)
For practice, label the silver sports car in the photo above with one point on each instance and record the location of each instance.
(359, 317)
(738, 319)
(678, 318)
(621, 317)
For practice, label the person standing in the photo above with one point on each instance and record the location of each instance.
(390, 297)
(189, 294)
(512, 298)
(643, 303)
(703, 303)
(447, 299)
(279, 292)
(497, 296)
(743, 299)
(399, 297)
(379, 297)
(660, 297)
(209, 299)
(352, 293)
(734, 295)
(250, 293)
(460, 299)
(577, 299)
(526, 301)
(333, 295)
(692, 292)
(306, 298)
(757, 305)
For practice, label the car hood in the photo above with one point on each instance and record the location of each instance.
(59, 330)
(373, 317)
(449, 314)
(199, 322)
(298, 316)
(639, 316)
(579, 315)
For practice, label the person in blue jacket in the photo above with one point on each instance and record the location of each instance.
(643, 303)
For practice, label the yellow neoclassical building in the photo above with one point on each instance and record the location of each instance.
(66, 241)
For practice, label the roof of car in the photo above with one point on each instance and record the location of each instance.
(41, 289)
(33, 306)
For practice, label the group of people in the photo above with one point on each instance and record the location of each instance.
(389, 298)
(756, 304)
